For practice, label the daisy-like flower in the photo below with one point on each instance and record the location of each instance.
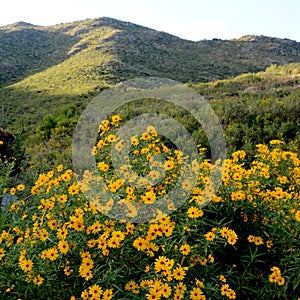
(210, 236)
(26, 265)
(185, 249)
(95, 290)
(63, 246)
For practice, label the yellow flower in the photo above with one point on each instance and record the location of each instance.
(224, 231)
(113, 242)
(63, 246)
(276, 142)
(297, 216)
(230, 293)
(180, 288)
(94, 151)
(102, 166)
(13, 191)
(169, 165)
(20, 187)
(179, 273)
(187, 185)
(111, 138)
(2, 253)
(251, 238)
(145, 136)
(196, 294)
(52, 253)
(232, 237)
(185, 249)
(38, 280)
(87, 263)
(273, 277)
(74, 189)
(282, 179)
(66, 176)
(62, 233)
(116, 118)
(280, 281)
(107, 294)
(210, 236)
(95, 290)
(224, 289)
(43, 234)
(60, 168)
(140, 243)
(85, 273)
(151, 129)
(269, 244)
(134, 141)
(26, 264)
(67, 270)
(85, 295)
(149, 197)
(258, 241)
(63, 198)
(131, 285)
(78, 224)
(199, 283)
(276, 270)
(52, 224)
(195, 212)
(161, 264)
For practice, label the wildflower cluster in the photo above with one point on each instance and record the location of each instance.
(56, 244)
(276, 277)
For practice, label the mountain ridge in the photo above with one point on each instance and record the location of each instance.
(139, 51)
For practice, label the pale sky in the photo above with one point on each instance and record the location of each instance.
(189, 19)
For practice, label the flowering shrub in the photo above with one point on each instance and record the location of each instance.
(55, 244)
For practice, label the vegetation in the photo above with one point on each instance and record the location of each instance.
(71, 63)
(67, 237)
(56, 244)
(252, 108)
(257, 107)
(27, 49)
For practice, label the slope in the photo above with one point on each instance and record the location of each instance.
(71, 63)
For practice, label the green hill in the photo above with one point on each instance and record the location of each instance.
(45, 67)
(27, 49)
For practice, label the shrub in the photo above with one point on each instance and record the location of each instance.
(243, 244)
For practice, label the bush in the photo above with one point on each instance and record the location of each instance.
(242, 245)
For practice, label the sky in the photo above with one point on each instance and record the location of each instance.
(189, 19)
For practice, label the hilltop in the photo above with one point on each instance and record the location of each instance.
(135, 50)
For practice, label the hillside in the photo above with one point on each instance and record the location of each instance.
(26, 49)
(55, 65)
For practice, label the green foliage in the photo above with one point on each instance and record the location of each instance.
(51, 142)
(64, 117)
(6, 171)
(57, 244)
(11, 150)
(256, 108)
